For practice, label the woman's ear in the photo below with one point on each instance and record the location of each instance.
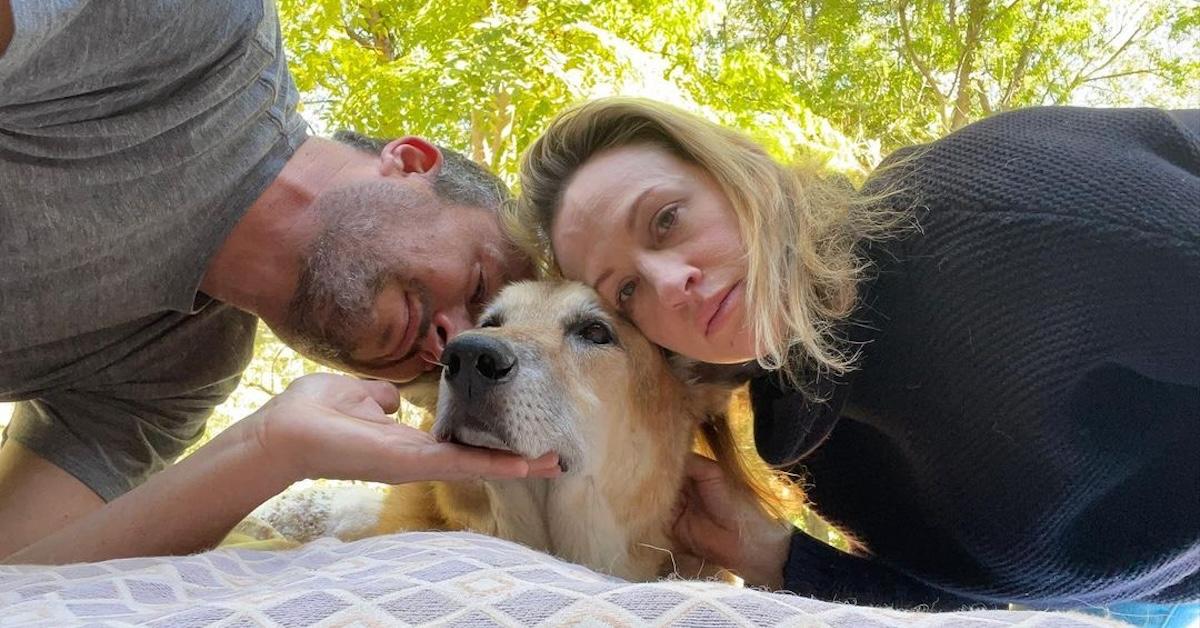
(409, 155)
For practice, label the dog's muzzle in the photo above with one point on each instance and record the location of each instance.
(475, 364)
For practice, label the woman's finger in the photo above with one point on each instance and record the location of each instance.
(701, 468)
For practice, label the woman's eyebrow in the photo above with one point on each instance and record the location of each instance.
(631, 215)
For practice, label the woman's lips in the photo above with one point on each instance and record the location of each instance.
(724, 309)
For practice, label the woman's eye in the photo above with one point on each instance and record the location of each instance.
(665, 220)
(625, 291)
(596, 333)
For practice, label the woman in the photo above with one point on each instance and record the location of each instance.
(985, 364)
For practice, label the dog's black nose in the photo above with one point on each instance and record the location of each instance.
(477, 361)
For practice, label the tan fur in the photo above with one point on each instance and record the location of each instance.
(634, 418)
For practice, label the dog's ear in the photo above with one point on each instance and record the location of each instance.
(728, 376)
(422, 392)
(711, 386)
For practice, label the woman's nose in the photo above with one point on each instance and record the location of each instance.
(444, 325)
(673, 280)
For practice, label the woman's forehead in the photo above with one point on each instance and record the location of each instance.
(590, 222)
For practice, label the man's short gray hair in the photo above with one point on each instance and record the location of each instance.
(460, 180)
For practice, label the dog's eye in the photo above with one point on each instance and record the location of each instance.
(491, 321)
(596, 333)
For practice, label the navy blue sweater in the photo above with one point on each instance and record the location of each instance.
(1024, 425)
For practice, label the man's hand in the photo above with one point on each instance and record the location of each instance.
(338, 427)
(322, 426)
(723, 526)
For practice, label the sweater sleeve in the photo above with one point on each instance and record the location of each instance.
(789, 424)
(815, 569)
(1027, 425)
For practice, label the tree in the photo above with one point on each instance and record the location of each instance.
(909, 71)
(484, 76)
(488, 76)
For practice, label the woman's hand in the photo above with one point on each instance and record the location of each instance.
(338, 427)
(721, 525)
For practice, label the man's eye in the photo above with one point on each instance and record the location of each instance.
(480, 289)
(665, 220)
(596, 333)
(625, 291)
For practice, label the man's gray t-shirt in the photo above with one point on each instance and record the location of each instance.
(133, 136)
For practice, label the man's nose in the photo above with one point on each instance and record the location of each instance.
(673, 280)
(444, 326)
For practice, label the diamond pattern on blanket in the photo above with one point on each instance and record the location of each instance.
(422, 607)
(534, 605)
(422, 579)
(647, 605)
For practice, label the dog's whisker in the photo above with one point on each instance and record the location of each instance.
(674, 565)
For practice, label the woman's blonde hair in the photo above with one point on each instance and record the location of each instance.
(801, 230)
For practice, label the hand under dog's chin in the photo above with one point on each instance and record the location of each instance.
(477, 438)
(468, 436)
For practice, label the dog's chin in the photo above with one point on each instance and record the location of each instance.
(479, 438)
(472, 437)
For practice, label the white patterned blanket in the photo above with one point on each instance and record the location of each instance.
(418, 578)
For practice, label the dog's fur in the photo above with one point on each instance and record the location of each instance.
(621, 417)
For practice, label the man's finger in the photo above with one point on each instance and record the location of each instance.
(544, 463)
(384, 394)
(446, 461)
(369, 410)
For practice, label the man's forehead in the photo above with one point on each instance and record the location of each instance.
(515, 265)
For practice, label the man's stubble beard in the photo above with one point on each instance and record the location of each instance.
(343, 273)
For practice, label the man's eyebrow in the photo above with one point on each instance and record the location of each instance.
(630, 225)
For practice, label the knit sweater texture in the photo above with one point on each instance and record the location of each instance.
(1024, 423)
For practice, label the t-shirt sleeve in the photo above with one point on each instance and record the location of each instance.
(115, 407)
(35, 22)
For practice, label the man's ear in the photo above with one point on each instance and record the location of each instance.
(409, 155)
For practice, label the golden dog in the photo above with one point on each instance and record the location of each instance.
(550, 369)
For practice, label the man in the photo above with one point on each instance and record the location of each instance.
(159, 192)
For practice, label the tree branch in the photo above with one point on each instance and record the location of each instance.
(1022, 63)
(1102, 77)
(976, 15)
(909, 51)
(1085, 73)
(381, 42)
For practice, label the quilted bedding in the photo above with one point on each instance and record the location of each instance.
(419, 578)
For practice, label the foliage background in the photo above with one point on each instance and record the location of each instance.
(842, 82)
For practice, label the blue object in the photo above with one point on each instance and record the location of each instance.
(1151, 615)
